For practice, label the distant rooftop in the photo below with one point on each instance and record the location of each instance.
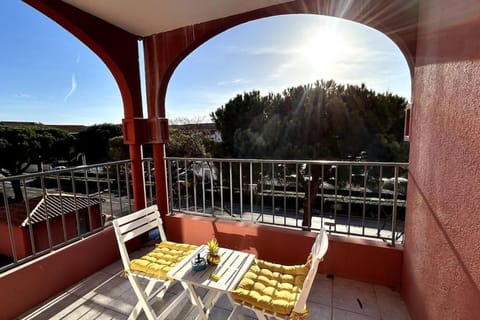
(71, 128)
(195, 126)
(53, 204)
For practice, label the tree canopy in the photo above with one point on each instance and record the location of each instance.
(30, 145)
(93, 141)
(324, 120)
(117, 149)
(186, 143)
(22, 146)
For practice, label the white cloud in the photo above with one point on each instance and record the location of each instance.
(260, 51)
(237, 81)
(73, 88)
(23, 95)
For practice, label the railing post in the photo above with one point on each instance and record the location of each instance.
(9, 224)
(394, 207)
(160, 178)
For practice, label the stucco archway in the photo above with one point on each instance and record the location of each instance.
(164, 51)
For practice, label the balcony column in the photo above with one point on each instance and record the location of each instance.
(162, 52)
(132, 111)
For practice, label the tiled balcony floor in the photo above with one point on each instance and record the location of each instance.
(108, 295)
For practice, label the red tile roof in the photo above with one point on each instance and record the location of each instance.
(41, 208)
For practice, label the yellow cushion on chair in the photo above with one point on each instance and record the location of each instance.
(162, 259)
(271, 287)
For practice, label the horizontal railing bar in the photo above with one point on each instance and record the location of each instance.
(66, 170)
(404, 165)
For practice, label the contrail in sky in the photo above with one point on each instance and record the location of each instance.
(72, 89)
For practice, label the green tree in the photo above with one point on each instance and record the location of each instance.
(323, 120)
(189, 137)
(55, 144)
(186, 144)
(117, 149)
(23, 146)
(93, 141)
(245, 112)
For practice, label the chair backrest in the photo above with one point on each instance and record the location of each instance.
(319, 249)
(135, 224)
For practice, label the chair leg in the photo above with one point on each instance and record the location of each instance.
(142, 300)
(138, 307)
(260, 315)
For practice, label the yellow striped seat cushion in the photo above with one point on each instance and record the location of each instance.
(162, 259)
(271, 287)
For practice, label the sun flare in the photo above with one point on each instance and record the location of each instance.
(322, 49)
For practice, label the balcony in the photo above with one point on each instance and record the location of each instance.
(106, 294)
(363, 262)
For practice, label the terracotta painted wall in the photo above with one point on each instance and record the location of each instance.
(32, 283)
(358, 259)
(441, 273)
(21, 243)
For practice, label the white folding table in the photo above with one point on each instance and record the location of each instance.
(233, 265)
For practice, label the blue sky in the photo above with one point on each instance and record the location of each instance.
(48, 76)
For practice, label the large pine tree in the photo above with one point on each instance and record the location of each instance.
(324, 120)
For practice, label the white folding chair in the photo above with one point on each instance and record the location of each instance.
(152, 266)
(278, 291)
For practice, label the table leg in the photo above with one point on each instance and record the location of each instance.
(196, 300)
(210, 300)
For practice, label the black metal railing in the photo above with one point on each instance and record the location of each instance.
(365, 199)
(44, 211)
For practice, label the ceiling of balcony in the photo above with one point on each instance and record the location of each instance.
(147, 17)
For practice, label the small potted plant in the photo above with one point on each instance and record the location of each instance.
(213, 257)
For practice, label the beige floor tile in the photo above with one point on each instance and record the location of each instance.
(111, 303)
(319, 311)
(111, 315)
(224, 303)
(391, 304)
(354, 296)
(106, 295)
(114, 268)
(113, 287)
(219, 314)
(339, 314)
(248, 314)
(321, 291)
(74, 311)
(86, 286)
(94, 312)
(66, 301)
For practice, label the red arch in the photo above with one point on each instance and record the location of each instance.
(397, 19)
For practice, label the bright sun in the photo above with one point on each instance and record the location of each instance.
(322, 49)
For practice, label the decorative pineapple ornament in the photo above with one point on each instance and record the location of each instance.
(213, 257)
